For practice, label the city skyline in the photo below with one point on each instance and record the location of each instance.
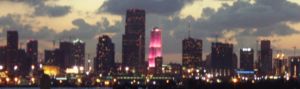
(89, 22)
(151, 44)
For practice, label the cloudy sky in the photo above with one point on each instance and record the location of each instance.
(241, 22)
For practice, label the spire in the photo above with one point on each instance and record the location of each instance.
(189, 29)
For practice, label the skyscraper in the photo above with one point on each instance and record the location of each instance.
(66, 49)
(2, 55)
(105, 56)
(222, 61)
(134, 38)
(247, 59)
(294, 62)
(191, 52)
(32, 51)
(155, 47)
(266, 57)
(78, 52)
(12, 40)
(12, 50)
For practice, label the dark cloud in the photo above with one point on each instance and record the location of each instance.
(41, 9)
(52, 11)
(162, 7)
(267, 16)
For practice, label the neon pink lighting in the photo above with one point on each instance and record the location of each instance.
(155, 46)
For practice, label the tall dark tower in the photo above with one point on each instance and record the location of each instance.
(247, 59)
(134, 38)
(12, 40)
(222, 59)
(32, 51)
(105, 58)
(65, 48)
(78, 52)
(191, 52)
(266, 57)
(12, 50)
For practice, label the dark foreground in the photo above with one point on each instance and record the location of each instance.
(188, 84)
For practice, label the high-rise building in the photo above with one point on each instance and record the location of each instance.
(280, 64)
(32, 51)
(155, 47)
(12, 40)
(134, 38)
(2, 55)
(158, 65)
(266, 62)
(222, 61)
(294, 62)
(78, 52)
(66, 48)
(105, 56)
(23, 64)
(247, 59)
(12, 50)
(55, 58)
(191, 52)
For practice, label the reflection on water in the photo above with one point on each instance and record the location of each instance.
(57, 88)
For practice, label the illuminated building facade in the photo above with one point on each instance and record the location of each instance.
(280, 64)
(155, 47)
(247, 59)
(294, 66)
(133, 46)
(191, 52)
(105, 57)
(266, 62)
(78, 52)
(32, 51)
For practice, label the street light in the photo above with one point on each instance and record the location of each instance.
(32, 67)
(1, 67)
(15, 67)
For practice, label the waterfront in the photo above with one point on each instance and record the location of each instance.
(57, 88)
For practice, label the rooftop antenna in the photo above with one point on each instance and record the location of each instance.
(216, 36)
(53, 42)
(189, 29)
(295, 50)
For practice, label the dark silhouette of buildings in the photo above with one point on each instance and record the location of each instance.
(222, 59)
(134, 39)
(68, 55)
(78, 52)
(247, 59)
(2, 55)
(191, 52)
(66, 47)
(105, 56)
(12, 40)
(32, 51)
(11, 59)
(265, 59)
(294, 66)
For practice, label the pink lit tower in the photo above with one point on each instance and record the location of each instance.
(155, 47)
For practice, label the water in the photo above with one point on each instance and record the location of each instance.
(57, 88)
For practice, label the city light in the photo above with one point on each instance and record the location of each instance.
(106, 83)
(32, 67)
(192, 64)
(15, 67)
(1, 67)
(234, 80)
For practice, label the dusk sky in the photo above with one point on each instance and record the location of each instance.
(241, 22)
